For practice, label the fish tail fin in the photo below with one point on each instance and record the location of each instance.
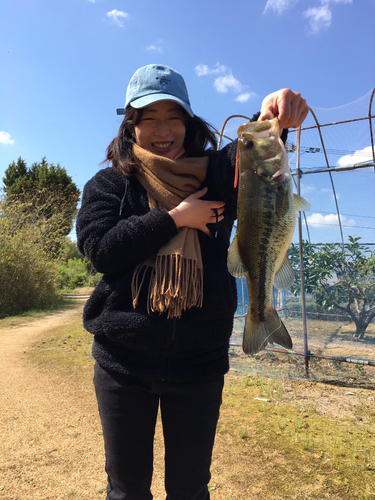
(258, 334)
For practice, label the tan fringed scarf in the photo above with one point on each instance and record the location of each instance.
(177, 278)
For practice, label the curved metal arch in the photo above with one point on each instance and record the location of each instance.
(370, 122)
(224, 125)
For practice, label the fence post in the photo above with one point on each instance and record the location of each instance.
(305, 338)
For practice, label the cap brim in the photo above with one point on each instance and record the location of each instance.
(142, 102)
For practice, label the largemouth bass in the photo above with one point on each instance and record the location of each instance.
(266, 216)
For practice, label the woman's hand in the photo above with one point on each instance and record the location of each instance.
(196, 213)
(288, 106)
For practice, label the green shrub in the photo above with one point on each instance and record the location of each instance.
(27, 274)
(75, 273)
(72, 273)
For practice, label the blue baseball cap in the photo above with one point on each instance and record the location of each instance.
(153, 83)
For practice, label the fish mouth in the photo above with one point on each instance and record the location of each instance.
(280, 177)
(260, 129)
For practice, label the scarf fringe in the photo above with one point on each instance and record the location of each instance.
(176, 284)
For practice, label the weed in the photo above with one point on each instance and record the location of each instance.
(337, 364)
(248, 380)
(360, 370)
(244, 434)
(279, 388)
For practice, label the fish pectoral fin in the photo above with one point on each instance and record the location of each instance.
(235, 266)
(258, 334)
(300, 203)
(285, 275)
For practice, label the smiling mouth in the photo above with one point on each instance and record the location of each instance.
(162, 145)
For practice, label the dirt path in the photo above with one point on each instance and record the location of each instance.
(44, 423)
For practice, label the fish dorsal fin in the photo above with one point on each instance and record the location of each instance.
(285, 275)
(235, 266)
(300, 203)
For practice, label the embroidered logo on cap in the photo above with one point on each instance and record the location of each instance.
(164, 81)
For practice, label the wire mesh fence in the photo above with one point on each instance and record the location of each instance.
(332, 160)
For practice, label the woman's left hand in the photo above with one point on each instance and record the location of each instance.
(289, 107)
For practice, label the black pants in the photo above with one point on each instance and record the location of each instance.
(128, 408)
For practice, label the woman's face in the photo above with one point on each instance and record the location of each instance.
(161, 129)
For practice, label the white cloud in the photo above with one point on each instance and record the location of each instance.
(279, 6)
(5, 138)
(360, 156)
(327, 221)
(154, 48)
(223, 83)
(307, 189)
(321, 17)
(226, 81)
(203, 69)
(116, 16)
(245, 97)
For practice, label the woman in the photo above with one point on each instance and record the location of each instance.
(157, 223)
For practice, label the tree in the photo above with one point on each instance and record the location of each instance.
(48, 197)
(28, 275)
(341, 279)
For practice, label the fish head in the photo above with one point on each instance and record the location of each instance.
(261, 150)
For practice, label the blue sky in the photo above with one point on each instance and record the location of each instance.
(65, 67)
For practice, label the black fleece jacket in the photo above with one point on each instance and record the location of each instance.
(116, 230)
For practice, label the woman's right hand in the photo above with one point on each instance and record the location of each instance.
(196, 213)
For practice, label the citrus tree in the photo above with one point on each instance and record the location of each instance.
(340, 278)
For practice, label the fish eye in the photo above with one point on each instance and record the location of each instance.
(249, 144)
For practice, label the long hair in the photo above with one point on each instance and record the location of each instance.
(199, 136)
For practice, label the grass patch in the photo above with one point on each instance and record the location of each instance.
(65, 347)
(28, 316)
(303, 446)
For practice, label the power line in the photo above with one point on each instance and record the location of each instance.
(292, 148)
(323, 224)
(351, 215)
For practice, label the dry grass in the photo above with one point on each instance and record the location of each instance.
(276, 439)
(328, 338)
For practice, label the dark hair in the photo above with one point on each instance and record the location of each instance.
(199, 135)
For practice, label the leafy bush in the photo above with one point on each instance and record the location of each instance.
(27, 275)
(72, 273)
(76, 273)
